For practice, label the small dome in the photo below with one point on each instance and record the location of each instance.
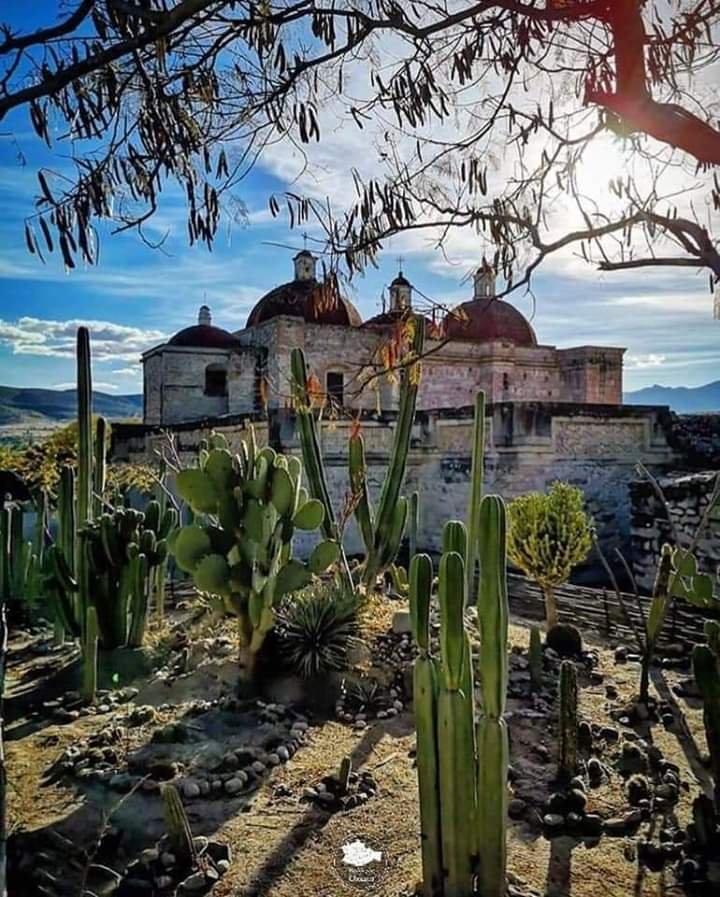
(204, 336)
(390, 318)
(488, 319)
(304, 299)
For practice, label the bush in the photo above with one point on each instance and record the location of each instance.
(315, 629)
(548, 535)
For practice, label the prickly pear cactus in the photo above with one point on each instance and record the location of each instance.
(241, 551)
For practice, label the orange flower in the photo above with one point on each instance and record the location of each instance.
(315, 392)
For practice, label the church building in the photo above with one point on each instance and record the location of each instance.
(485, 343)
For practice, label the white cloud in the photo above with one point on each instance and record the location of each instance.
(644, 361)
(56, 339)
(97, 384)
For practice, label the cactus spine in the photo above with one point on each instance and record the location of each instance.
(535, 659)
(476, 487)
(707, 676)
(178, 827)
(492, 736)
(568, 719)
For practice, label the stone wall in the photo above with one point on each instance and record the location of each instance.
(529, 445)
(688, 496)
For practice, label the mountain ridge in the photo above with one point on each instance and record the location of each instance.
(682, 399)
(20, 404)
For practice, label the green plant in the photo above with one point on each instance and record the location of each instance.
(241, 547)
(568, 712)
(316, 628)
(19, 562)
(177, 827)
(462, 767)
(549, 534)
(535, 659)
(124, 550)
(707, 676)
(476, 487)
(712, 632)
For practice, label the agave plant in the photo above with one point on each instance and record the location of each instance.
(316, 628)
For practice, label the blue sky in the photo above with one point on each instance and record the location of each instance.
(135, 296)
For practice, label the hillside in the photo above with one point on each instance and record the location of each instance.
(35, 406)
(683, 399)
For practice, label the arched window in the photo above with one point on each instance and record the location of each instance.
(215, 380)
(335, 387)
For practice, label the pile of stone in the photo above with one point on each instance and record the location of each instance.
(344, 791)
(157, 871)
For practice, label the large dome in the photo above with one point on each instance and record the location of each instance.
(204, 335)
(305, 297)
(488, 319)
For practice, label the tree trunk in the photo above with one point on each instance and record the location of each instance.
(551, 611)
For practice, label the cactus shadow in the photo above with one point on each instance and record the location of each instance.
(682, 732)
(558, 879)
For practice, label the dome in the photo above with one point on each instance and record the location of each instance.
(390, 318)
(305, 297)
(203, 335)
(486, 319)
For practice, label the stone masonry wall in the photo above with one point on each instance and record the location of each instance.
(688, 496)
(529, 445)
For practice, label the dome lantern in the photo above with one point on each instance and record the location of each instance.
(305, 263)
(400, 294)
(204, 316)
(484, 282)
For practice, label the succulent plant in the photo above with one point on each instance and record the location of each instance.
(568, 719)
(249, 507)
(706, 670)
(177, 827)
(316, 628)
(19, 561)
(462, 763)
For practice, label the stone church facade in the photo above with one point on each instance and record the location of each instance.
(552, 413)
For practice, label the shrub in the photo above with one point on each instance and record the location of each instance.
(548, 535)
(316, 627)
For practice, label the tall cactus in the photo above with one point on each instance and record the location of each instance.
(425, 685)
(476, 487)
(84, 505)
(413, 524)
(492, 736)
(253, 503)
(99, 477)
(568, 700)
(312, 458)
(462, 768)
(707, 676)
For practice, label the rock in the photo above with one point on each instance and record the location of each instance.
(222, 866)
(234, 786)
(517, 808)
(607, 733)
(167, 859)
(219, 851)
(623, 825)
(163, 770)
(258, 767)
(283, 754)
(190, 789)
(637, 789)
(193, 884)
(592, 825)
(554, 823)
(632, 758)
(564, 639)
(576, 801)
(163, 882)
(401, 622)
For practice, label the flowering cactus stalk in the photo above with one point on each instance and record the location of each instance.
(568, 719)
(253, 503)
(707, 676)
(492, 736)
(425, 686)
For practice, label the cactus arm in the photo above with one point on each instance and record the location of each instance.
(100, 465)
(454, 538)
(476, 488)
(493, 759)
(358, 485)
(85, 465)
(707, 675)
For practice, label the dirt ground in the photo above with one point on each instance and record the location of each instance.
(283, 846)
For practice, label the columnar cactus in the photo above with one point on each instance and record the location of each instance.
(492, 736)
(712, 633)
(535, 658)
(462, 768)
(707, 676)
(413, 523)
(177, 827)
(18, 559)
(568, 719)
(252, 504)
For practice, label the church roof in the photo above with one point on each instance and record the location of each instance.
(488, 319)
(307, 299)
(204, 336)
(391, 317)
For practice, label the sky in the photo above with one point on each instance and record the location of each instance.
(136, 297)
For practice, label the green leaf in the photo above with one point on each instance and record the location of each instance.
(323, 556)
(253, 520)
(196, 487)
(213, 575)
(684, 562)
(191, 545)
(283, 492)
(219, 467)
(310, 516)
(702, 589)
(293, 576)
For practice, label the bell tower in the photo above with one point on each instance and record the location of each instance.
(400, 294)
(205, 316)
(304, 263)
(484, 282)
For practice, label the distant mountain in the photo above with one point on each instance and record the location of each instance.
(20, 405)
(683, 399)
